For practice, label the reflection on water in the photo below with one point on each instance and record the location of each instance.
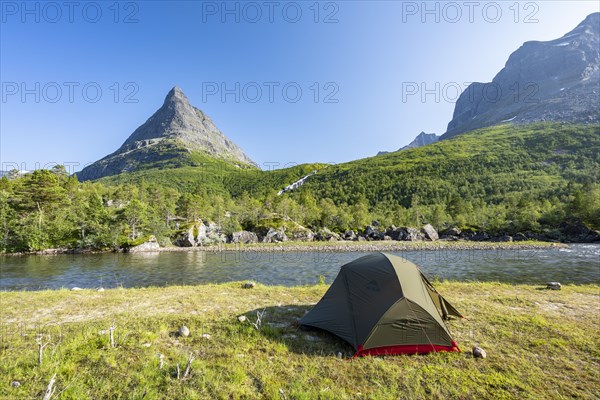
(577, 264)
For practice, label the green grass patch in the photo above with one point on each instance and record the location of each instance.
(540, 344)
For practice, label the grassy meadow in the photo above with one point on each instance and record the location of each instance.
(539, 343)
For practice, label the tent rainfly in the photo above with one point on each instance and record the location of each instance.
(382, 304)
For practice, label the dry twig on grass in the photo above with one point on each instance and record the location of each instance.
(50, 389)
(41, 345)
(188, 367)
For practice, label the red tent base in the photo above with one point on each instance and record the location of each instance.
(405, 349)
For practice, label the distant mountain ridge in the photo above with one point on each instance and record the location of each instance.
(557, 80)
(422, 139)
(171, 136)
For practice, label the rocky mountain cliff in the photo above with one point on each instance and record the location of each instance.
(558, 80)
(171, 136)
(422, 139)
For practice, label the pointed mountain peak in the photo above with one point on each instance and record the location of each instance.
(175, 92)
(176, 95)
(175, 130)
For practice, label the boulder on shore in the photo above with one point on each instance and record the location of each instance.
(370, 231)
(430, 232)
(213, 235)
(186, 239)
(412, 234)
(349, 235)
(553, 286)
(275, 236)
(480, 237)
(373, 232)
(201, 237)
(578, 232)
(244, 237)
(325, 235)
(150, 245)
(395, 233)
(454, 231)
(303, 235)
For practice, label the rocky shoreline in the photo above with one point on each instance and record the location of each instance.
(210, 237)
(201, 234)
(369, 247)
(302, 247)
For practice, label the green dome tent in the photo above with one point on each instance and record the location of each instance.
(383, 304)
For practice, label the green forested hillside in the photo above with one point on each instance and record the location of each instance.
(511, 169)
(505, 179)
(492, 164)
(209, 175)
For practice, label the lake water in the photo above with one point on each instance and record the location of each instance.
(578, 264)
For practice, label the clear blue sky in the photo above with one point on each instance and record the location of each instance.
(360, 53)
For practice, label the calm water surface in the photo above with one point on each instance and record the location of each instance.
(578, 264)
